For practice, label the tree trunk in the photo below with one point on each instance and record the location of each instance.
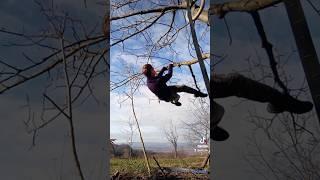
(306, 49)
(175, 152)
(199, 56)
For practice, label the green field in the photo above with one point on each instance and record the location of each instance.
(137, 167)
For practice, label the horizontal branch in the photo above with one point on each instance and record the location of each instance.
(123, 82)
(218, 9)
(192, 61)
(148, 11)
(241, 6)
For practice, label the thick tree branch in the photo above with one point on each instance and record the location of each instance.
(241, 6)
(218, 9)
(149, 11)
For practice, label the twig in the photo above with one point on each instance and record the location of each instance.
(159, 166)
(69, 109)
(194, 77)
(144, 149)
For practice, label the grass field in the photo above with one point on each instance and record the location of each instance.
(136, 166)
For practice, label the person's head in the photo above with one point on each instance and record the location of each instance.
(148, 70)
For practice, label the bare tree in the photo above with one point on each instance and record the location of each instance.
(134, 86)
(198, 127)
(172, 136)
(130, 133)
(307, 51)
(282, 146)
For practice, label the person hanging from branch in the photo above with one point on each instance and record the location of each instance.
(157, 83)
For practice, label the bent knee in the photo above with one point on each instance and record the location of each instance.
(236, 79)
(181, 86)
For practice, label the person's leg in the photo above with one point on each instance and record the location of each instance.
(187, 89)
(234, 84)
(237, 85)
(173, 96)
(217, 115)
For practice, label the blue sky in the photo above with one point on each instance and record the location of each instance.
(153, 116)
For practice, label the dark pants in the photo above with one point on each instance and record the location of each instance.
(182, 88)
(173, 90)
(237, 85)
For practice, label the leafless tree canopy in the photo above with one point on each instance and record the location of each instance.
(198, 126)
(172, 136)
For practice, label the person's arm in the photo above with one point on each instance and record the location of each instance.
(162, 71)
(168, 75)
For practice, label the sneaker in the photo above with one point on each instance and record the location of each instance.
(292, 105)
(200, 94)
(175, 100)
(175, 97)
(219, 134)
(300, 107)
(176, 103)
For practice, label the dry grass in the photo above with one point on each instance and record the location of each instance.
(135, 167)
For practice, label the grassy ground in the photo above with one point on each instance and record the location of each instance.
(137, 167)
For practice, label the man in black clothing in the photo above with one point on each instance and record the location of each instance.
(225, 86)
(157, 84)
(232, 84)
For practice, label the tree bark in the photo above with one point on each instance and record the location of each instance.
(241, 6)
(175, 152)
(306, 49)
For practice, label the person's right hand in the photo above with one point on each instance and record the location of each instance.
(165, 68)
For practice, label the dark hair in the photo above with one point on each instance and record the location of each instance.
(146, 69)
